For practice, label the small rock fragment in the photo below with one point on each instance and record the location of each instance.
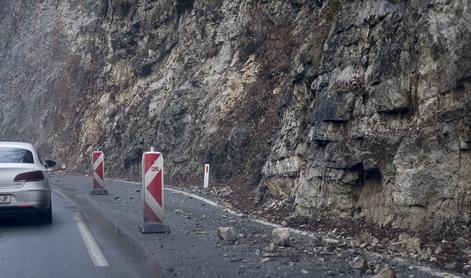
(451, 266)
(386, 272)
(462, 243)
(271, 247)
(227, 205)
(355, 243)
(409, 244)
(280, 236)
(227, 234)
(303, 271)
(360, 264)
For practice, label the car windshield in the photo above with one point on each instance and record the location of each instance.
(15, 155)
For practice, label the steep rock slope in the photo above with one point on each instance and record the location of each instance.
(345, 108)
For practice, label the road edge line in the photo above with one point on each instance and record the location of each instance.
(93, 249)
(214, 204)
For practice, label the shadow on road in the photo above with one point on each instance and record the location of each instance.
(21, 221)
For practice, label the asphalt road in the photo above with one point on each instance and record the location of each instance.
(98, 236)
(32, 249)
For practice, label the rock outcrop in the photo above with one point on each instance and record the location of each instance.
(353, 109)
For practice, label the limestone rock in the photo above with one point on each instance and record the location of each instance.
(386, 272)
(360, 264)
(227, 234)
(408, 243)
(281, 237)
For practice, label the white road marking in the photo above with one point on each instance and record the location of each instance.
(94, 250)
(62, 195)
(437, 273)
(209, 202)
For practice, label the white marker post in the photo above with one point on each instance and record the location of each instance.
(206, 176)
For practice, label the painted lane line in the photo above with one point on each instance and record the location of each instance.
(94, 250)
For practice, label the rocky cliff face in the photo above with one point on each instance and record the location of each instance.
(349, 109)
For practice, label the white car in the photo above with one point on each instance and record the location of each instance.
(24, 184)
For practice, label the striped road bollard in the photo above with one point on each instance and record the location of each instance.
(98, 162)
(206, 176)
(153, 193)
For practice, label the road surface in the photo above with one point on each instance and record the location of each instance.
(63, 249)
(98, 236)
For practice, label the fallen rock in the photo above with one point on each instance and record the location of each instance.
(280, 236)
(271, 247)
(424, 254)
(331, 241)
(462, 243)
(368, 239)
(227, 234)
(227, 205)
(386, 272)
(450, 266)
(360, 264)
(355, 243)
(467, 251)
(409, 244)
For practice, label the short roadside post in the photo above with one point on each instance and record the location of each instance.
(98, 167)
(206, 176)
(153, 193)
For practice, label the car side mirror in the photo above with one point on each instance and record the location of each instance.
(50, 164)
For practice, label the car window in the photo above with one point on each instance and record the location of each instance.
(16, 155)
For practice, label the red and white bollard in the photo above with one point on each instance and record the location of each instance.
(98, 162)
(153, 193)
(206, 176)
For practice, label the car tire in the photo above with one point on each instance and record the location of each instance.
(46, 217)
